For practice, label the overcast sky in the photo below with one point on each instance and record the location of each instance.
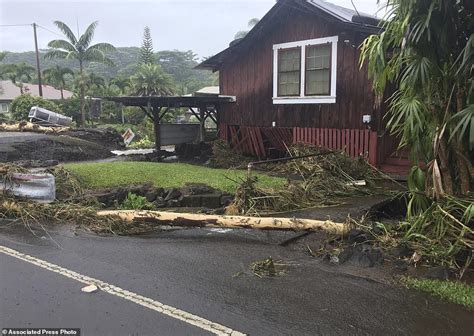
(204, 26)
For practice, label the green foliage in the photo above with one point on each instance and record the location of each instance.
(166, 175)
(146, 51)
(57, 77)
(135, 202)
(151, 80)
(80, 49)
(426, 51)
(440, 230)
(241, 34)
(455, 292)
(21, 106)
(71, 107)
(144, 142)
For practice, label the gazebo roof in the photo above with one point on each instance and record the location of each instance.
(172, 101)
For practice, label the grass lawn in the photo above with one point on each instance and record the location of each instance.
(455, 292)
(166, 175)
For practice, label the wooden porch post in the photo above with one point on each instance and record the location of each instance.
(202, 120)
(156, 127)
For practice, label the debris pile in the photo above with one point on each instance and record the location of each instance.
(224, 157)
(313, 181)
(25, 126)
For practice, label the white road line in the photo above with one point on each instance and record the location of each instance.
(159, 307)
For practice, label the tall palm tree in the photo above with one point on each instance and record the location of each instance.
(57, 77)
(151, 80)
(80, 49)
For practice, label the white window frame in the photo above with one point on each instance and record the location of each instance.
(302, 99)
(2, 111)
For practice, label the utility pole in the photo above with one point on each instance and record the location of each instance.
(40, 87)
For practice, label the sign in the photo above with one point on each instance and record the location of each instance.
(128, 136)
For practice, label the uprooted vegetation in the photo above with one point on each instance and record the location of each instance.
(320, 180)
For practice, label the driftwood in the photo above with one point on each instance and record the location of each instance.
(26, 126)
(200, 220)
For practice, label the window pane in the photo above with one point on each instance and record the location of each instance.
(317, 82)
(289, 64)
(318, 57)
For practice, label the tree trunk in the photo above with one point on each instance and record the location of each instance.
(62, 94)
(82, 92)
(200, 220)
(444, 167)
(463, 163)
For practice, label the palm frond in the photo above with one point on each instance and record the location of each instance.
(62, 44)
(103, 47)
(66, 31)
(55, 54)
(95, 55)
(86, 38)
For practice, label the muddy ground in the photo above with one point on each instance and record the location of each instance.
(75, 145)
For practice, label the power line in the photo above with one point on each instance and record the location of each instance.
(49, 30)
(15, 25)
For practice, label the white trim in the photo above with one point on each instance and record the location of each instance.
(302, 99)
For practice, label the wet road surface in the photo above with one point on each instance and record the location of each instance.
(195, 271)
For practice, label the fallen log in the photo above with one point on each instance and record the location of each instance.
(201, 220)
(25, 126)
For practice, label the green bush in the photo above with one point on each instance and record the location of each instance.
(135, 202)
(21, 106)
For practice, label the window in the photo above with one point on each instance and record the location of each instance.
(305, 71)
(289, 72)
(3, 107)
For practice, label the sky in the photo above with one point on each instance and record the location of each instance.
(204, 26)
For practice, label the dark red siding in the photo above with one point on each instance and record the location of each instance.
(249, 77)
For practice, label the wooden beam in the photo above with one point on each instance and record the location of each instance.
(164, 112)
(147, 112)
(201, 220)
(157, 128)
(194, 113)
(202, 120)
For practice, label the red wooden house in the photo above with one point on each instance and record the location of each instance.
(296, 78)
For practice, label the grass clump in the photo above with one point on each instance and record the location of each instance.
(135, 202)
(455, 292)
(164, 175)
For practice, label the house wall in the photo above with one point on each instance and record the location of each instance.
(249, 77)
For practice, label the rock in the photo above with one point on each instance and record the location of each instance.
(401, 251)
(226, 199)
(357, 236)
(173, 203)
(172, 194)
(197, 189)
(191, 201)
(438, 273)
(151, 196)
(211, 201)
(159, 202)
(346, 254)
(400, 265)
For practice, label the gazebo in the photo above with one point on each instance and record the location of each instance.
(156, 107)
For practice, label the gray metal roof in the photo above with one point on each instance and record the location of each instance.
(364, 22)
(342, 13)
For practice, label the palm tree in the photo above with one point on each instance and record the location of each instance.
(431, 45)
(80, 49)
(57, 77)
(151, 80)
(122, 83)
(18, 73)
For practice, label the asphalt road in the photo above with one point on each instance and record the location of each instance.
(195, 271)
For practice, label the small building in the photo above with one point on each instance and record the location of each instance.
(296, 78)
(9, 91)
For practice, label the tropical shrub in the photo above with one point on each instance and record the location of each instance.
(21, 106)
